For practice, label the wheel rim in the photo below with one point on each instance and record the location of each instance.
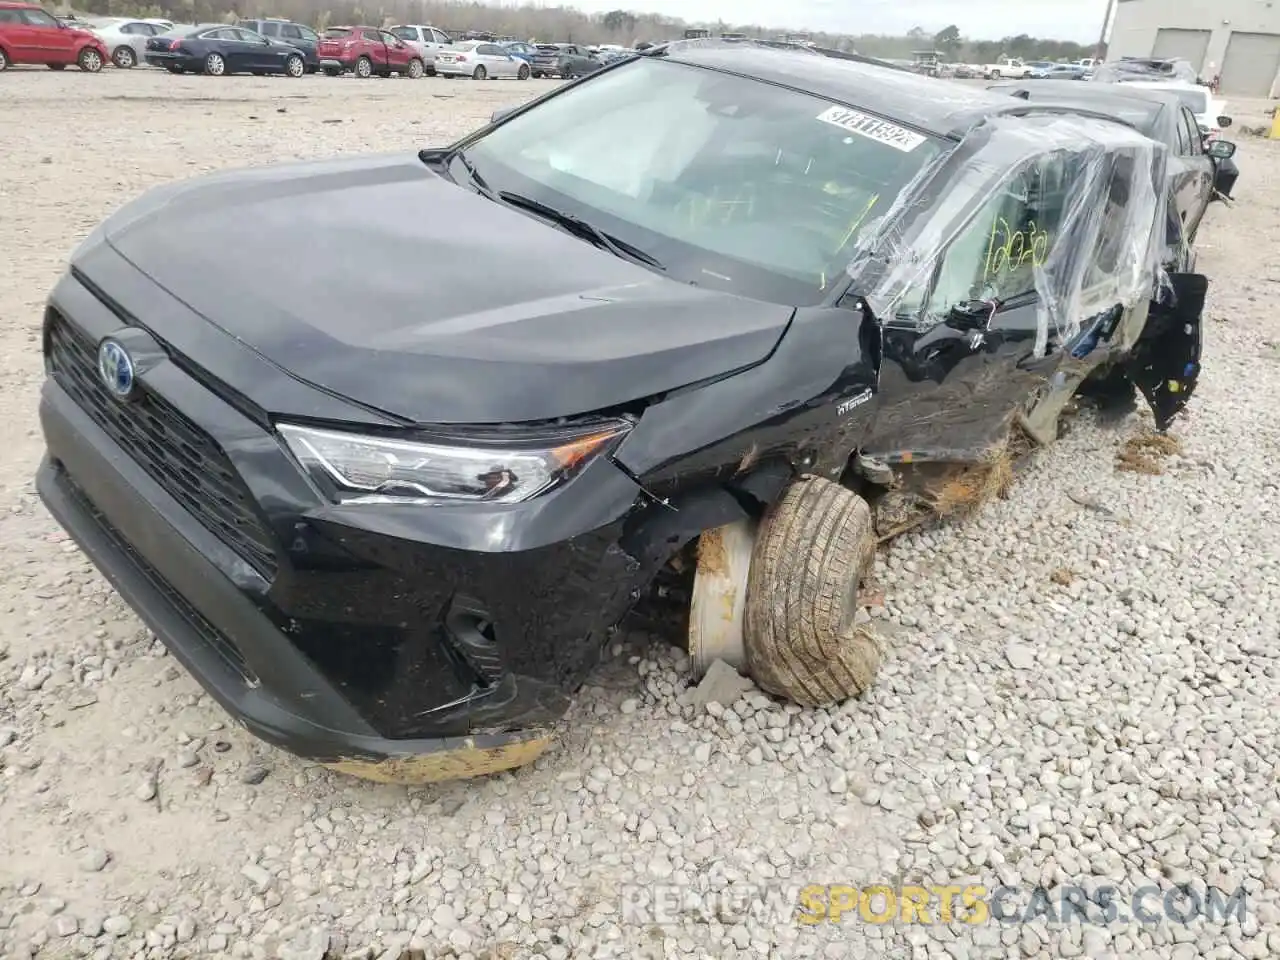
(480, 74)
(524, 73)
(124, 57)
(91, 60)
(364, 68)
(415, 70)
(216, 65)
(296, 66)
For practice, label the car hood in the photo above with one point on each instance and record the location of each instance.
(387, 284)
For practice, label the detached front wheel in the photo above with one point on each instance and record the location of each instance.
(812, 550)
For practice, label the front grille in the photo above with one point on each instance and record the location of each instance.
(175, 452)
(211, 635)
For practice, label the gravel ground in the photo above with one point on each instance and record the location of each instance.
(1081, 686)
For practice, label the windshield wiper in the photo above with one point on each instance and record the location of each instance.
(477, 181)
(584, 229)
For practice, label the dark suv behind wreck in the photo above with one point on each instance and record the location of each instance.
(719, 307)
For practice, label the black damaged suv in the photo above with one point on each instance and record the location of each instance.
(721, 308)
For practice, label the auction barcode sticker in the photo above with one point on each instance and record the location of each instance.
(873, 128)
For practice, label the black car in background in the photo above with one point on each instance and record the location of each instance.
(286, 31)
(221, 50)
(1197, 172)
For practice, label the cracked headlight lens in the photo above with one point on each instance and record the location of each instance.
(358, 468)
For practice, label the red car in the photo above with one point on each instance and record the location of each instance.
(366, 51)
(29, 34)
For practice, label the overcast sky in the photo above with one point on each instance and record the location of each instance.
(1078, 20)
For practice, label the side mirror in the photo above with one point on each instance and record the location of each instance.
(502, 113)
(1224, 122)
(1222, 150)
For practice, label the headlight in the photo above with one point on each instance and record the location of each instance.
(354, 468)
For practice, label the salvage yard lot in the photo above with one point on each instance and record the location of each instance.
(1079, 683)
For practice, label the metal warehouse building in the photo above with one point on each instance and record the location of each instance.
(1239, 38)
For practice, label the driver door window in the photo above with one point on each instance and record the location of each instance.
(995, 256)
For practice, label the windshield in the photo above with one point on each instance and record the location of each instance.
(729, 182)
(334, 33)
(405, 33)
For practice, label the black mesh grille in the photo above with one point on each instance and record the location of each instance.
(177, 454)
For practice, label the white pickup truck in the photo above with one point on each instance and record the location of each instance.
(1005, 67)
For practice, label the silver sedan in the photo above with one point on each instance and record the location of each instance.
(480, 60)
(126, 37)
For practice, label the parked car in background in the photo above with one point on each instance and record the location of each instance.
(30, 34)
(220, 50)
(1036, 69)
(287, 31)
(966, 71)
(522, 50)
(367, 52)
(481, 60)
(1065, 71)
(425, 39)
(126, 37)
(608, 55)
(1210, 112)
(1131, 69)
(566, 60)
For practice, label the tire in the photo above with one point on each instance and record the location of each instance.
(90, 60)
(215, 65)
(364, 68)
(294, 65)
(416, 70)
(523, 72)
(994, 75)
(124, 58)
(480, 73)
(4, 61)
(814, 546)
(332, 71)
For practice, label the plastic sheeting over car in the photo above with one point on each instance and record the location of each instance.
(1101, 182)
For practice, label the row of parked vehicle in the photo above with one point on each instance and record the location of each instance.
(29, 34)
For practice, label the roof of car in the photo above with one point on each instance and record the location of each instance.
(936, 106)
(1142, 108)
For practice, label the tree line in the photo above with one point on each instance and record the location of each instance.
(567, 24)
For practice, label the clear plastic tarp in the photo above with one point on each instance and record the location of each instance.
(1084, 223)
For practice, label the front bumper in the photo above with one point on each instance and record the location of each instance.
(330, 632)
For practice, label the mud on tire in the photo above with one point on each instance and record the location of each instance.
(812, 550)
